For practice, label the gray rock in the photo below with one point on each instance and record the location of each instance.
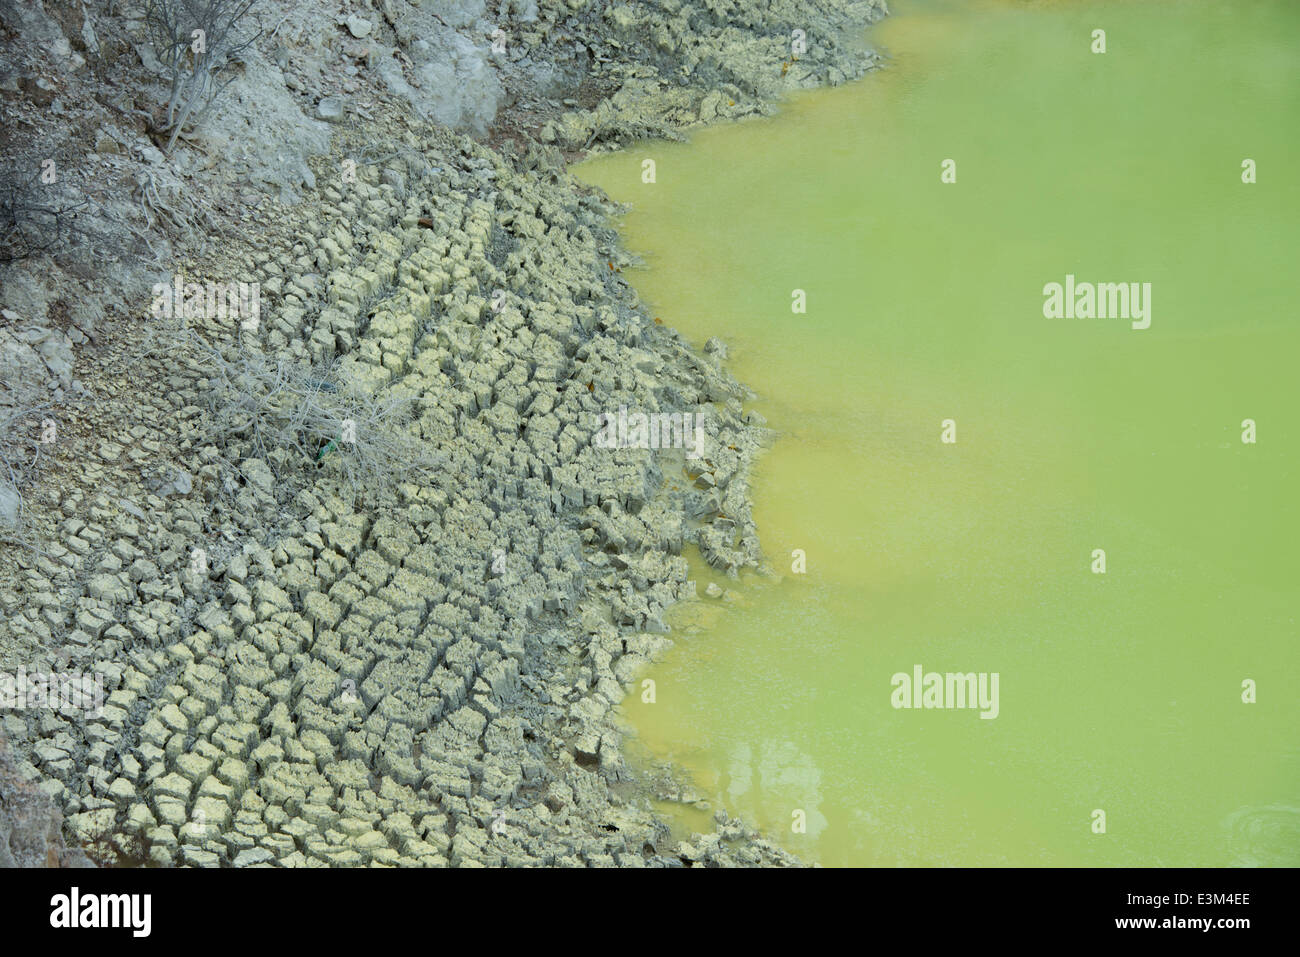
(30, 823)
(10, 505)
(330, 108)
(259, 130)
(258, 474)
(253, 855)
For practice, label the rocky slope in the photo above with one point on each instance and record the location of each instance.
(360, 585)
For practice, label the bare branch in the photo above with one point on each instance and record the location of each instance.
(198, 41)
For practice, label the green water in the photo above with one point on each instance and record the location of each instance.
(1119, 691)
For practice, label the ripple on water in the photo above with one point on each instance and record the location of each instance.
(1266, 836)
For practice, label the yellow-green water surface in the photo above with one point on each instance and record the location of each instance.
(1119, 691)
